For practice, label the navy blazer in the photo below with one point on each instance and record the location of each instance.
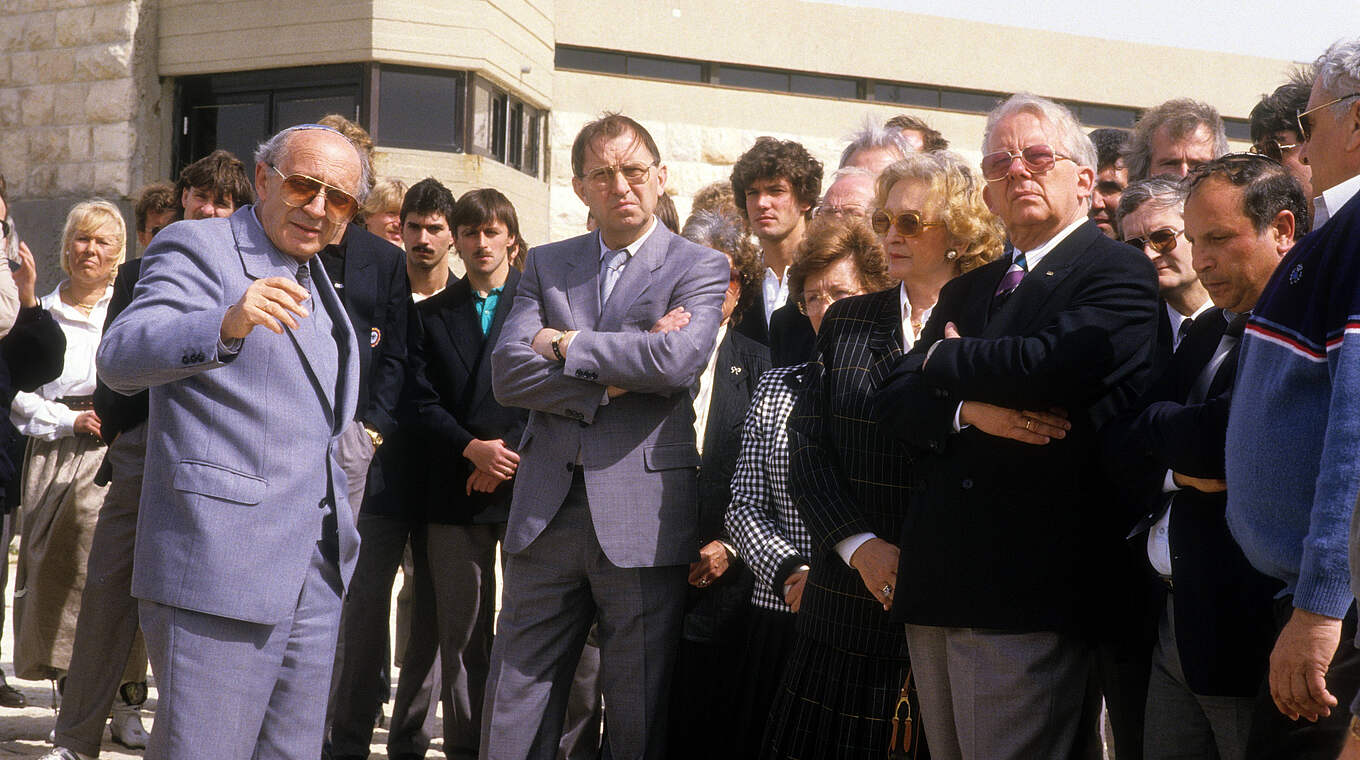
(714, 614)
(1002, 534)
(1223, 606)
(789, 333)
(377, 297)
(455, 362)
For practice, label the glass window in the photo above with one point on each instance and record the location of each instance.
(420, 109)
(665, 68)
(1107, 116)
(827, 87)
(591, 60)
(756, 79)
(977, 102)
(533, 131)
(499, 107)
(1237, 129)
(907, 95)
(481, 118)
(307, 106)
(514, 140)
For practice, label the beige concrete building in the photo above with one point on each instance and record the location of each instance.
(99, 98)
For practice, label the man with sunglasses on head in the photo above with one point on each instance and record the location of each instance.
(1275, 127)
(1298, 385)
(607, 334)
(245, 539)
(775, 185)
(1006, 559)
(1151, 219)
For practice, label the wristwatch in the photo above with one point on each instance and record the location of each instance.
(373, 435)
(556, 344)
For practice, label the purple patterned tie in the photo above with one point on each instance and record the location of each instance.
(1011, 280)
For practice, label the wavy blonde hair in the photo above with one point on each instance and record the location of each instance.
(87, 217)
(977, 234)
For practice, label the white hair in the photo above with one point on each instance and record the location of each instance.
(870, 136)
(1338, 71)
(270, 152)
(1070, 137)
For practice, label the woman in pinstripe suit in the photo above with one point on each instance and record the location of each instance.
(850, 481)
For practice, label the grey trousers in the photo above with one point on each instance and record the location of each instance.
(1183, 725)
(585, 710)
(358, 687)
(460, 560)
(554, 589)
(354, 453)
(992, 695)
(106, 638)
(232, 690)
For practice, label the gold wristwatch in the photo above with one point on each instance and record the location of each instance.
(373, 435)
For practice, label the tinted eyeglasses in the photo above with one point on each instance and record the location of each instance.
(633, 174)
(1272, 149)
(299, 190)
(1161, 241)
(1305, 118)
(825, 299)
(1038, 159)
(908, 223)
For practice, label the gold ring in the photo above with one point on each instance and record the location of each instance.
(1029, 424)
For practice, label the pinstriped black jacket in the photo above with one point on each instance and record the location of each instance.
(846, 475)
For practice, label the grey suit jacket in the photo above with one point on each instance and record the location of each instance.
(239, 450)
(638, 449)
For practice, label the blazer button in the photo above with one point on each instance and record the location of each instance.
(934, 445)
(967, 483)
(186, 360)
(570, 466)
(941, 393)
(580, 373)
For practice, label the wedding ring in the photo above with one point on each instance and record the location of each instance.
(887, 590)
(1029, 424)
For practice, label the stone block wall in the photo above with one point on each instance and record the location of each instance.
(81, 111)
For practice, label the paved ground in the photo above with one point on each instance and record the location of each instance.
(23, 733)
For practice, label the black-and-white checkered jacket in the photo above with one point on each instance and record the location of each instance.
(761, 519)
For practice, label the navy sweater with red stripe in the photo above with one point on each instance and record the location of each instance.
(1293, 447)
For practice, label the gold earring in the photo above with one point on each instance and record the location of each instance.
(951, 254)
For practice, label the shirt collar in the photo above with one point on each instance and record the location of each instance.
(1332, 199)
(1032, 258)
(633, 247)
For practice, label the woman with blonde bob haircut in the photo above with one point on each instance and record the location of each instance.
(60, 499)
(929, 212)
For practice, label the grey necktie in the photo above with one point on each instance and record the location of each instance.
(611, 266)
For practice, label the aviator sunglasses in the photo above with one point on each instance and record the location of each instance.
(908, 223)
(1038, 159)
(1161, 241)
(299, 190)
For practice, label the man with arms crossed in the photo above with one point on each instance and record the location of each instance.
(608, 527)
(244, 535)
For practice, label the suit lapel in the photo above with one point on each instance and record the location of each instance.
(583, 289)
(461, 323)
(727, 389)
(636, 276)
(358, 276)
(885, 337)
(260, 259)
(1024, 308)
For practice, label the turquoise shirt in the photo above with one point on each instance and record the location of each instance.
(486, 307)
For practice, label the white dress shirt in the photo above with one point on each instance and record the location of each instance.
(704, 397)
(909, 335)
(1177, 318)
(38, 415)
(1332, 199)
(775, 290)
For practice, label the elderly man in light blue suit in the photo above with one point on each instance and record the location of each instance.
(244, 537)
(607, 334)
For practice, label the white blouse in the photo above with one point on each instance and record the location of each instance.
(38, 415)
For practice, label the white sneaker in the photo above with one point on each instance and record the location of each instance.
(126, 726)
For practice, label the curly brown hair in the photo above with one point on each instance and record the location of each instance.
(774, 159)
(830, 239)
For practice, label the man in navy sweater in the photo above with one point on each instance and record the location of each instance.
(1298, 378)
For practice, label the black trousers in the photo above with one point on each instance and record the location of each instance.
(1275, 736)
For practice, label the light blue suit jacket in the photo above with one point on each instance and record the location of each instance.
(638, 450)
(239, 450)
